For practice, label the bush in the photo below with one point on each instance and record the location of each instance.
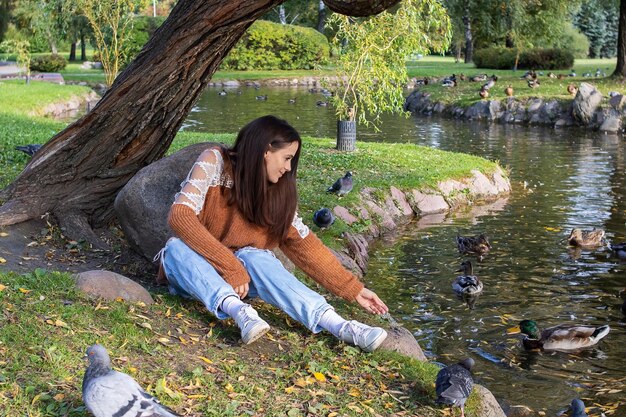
(573, 40)
(48, 63)
(504, 58)
(269, 46)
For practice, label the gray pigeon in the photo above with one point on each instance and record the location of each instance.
(108, 393)
(29, 149)
(577, 408)
(454, 384)
(323, 218)
(342, 186)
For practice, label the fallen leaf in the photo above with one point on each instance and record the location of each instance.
(209, 361)
(164, 340)
(319, 376)
(2, 260)
(2, 287)
(59, 397)
(229, 388)
(145, 325)
(3, 234)
(24, 290)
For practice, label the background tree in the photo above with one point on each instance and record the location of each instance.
(78, 173)
(21, 50)
(111, 22)
(44, 18)
(462, 15)
(372, 63)
(620, 68)
(6, 9)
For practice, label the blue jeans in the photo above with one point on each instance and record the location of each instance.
(191, 276)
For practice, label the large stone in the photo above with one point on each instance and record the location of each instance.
(111, 286)
(489, 406)
(344, 215)
(401, 202)
(611, 121)
(142, 206)
(587, 100)
(424, 203)
(358, 249)
(617, 101)
(402, 341)
(481, 185)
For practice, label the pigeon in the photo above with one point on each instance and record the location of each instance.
(323, 218)
(109, 393)
(577, 408)
(342, 186)
(30, 150)
(454, 384)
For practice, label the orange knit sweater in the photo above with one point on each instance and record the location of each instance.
(202, 218)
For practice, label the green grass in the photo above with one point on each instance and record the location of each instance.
(19, 98)
(466, 92)
(46, 327)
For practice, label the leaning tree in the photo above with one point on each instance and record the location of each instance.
(78, 173)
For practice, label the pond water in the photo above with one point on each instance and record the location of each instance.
(561, 179)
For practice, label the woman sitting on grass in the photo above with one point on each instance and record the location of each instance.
(236, 205)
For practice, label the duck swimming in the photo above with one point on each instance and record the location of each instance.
(619, 250)
(468, 283)
(586, 238)
(477, 244)
(561, 337)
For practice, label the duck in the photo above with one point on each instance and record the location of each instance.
(222, 93)
(468, 283)
(478, 78)
(262, 98)
(483, 93)
(321, 103)
(489, 84)
(572, 73)
(291, 101)
(552, 75)
(618, 249)
(561, 337)
(448, 83)
(509, 91)
(586, 238)
(477, 244)
(572, 89)
(533, 83)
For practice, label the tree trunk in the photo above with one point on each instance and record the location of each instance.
(281, 15)
(620, 69)
(78, 173)
(73, 51)
(83, 47)
(321, 17)
(469, 42)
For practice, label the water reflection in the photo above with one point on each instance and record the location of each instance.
(562, 179)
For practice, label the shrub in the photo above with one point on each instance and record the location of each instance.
(504, 58)
(48, 63)
(573, 40)
(269, 46)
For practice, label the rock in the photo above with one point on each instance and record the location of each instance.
(142, 206)
(401, 340)
(519, 411)
(111, 286)
(344, 215)
(495, 110)
(480, 184)
(611, 121)
(502, 184)
(586, 102)
(489, 406)
(401, 202)
(424, 203)
(478, 110)
(357, 247)
(231, 84)
(348, 263)
(386, 222)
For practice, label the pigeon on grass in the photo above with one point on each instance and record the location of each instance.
(30, 150)
(108, 393)
(323, 218)
(342, 186)
(454, 384)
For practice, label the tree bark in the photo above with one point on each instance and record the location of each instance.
(83, 47)
(78, 173)
(620, 68)
(72, 56)
(469, 41)
(321, 17)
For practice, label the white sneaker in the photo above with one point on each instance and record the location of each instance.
(366, 337)
(251, 325)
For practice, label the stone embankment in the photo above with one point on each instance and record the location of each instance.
(69, 107)
(587, 109)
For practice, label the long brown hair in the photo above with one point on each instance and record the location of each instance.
(261, 202)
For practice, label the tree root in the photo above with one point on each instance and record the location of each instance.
(75, 226)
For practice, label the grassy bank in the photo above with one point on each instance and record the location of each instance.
(191, 361)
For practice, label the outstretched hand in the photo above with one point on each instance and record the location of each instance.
(370, 302)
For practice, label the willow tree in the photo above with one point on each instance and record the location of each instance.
(78, 173)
